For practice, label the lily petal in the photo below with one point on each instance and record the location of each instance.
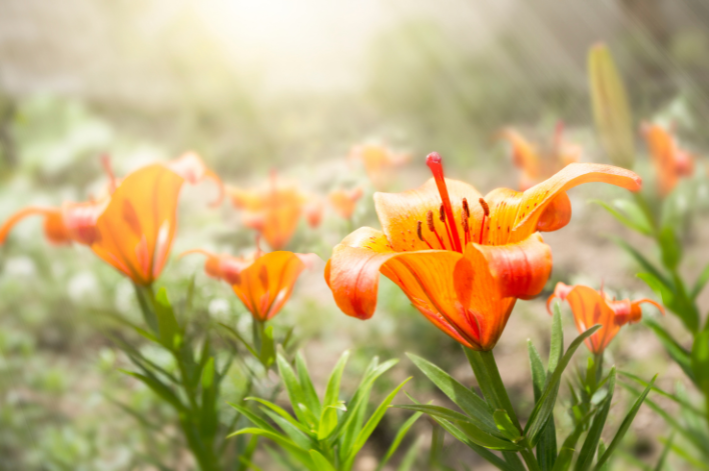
(266, 284)
(516, 215)
(590, 308)
(136, 229)
(352, 273)
(400, 213)
(54, 228)
(521, 269)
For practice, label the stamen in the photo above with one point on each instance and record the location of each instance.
(442, 216)
(419, 233)
(486, 213)
(433, 160)
(432, 228)
(466, 226)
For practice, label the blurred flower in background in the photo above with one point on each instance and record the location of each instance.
(670, 161)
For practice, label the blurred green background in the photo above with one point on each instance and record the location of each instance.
(259, 85)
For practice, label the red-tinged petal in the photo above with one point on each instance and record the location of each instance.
(136, 229)
(191, 167)
(80, 220)
(479, 291)
(556, 215)
(353, 271)
(627, 312)
(561, 290)
(521, 269)
(429, 279)
(515, 215)
(400, 213)
(54, 228)
(590, 308)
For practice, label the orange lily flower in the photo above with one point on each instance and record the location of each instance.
(377, 160)
(313, 211)
(670, 161)
(537, 165)
(132, 229)
(591, 307)
(273, 210)
(462, 265)
(345, 201)
(263, 282)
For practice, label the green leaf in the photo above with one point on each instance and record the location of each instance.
(556, 349)
(409, 459)
(642, 261)
(435, 411)
(480, 437)
(545, 406)
(632, 216)
(675, 301)
(400, 434)
(480, 450)
(284, 442)
(681, 356)
(624, 426)
(255, 419)
(371, 424)
(208, 374)
(611, 111)
(671, 248)
(295, 392)
(505, 426)
(167, 323)
(588, 450)
(158, 388)
(700, 361)
(328, 417)
(665, 452)
(700, 283)
(238, 337)
(280, 411)
(301, 439)
(478, 411)
(320, 463)
(686, 405)
(539, 376)
(311, 398)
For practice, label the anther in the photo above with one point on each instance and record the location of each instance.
(419, 232)
(486, 208)
(466, 208)
(432, 228)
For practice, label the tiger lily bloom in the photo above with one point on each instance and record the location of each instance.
(461, 259)
(591, 307)
(377, 160)
(670, 161)
(273, 210)
(263, 282)
(537, 165)
(132, 229)
(344, 202)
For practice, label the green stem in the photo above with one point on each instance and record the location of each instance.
(146, 301)
(598, 363)
(490, 382)
(257, 328)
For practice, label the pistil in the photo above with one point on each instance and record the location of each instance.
(433, 160)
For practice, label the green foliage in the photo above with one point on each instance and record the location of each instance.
(490, 423)
(325, 434)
